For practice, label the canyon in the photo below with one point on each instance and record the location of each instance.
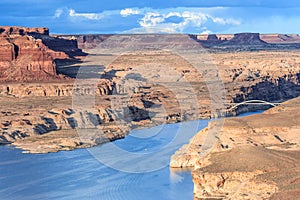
(62, 92)
(52, 86)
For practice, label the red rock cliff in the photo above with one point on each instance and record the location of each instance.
(27, 54)
(16, 30)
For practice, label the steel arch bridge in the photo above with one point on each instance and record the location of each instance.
(254, 102)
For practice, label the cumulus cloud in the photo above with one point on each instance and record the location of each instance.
(153, 21)
(205, 31)
(129, 11)
(222, 21)
(149, 20)
(91, 16)
(58, 13)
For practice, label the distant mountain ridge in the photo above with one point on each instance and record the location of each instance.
(269, 38)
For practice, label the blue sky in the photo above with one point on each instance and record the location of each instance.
(159, 16)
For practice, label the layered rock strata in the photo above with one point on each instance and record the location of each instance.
(28, 122)
(30, 54)
(246, 39)
(254, 157)
(55, 89)
(269, 38)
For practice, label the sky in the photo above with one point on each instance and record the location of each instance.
(153, 16)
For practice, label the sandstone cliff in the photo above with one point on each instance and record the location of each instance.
(253, 157)
(25, 58)
(245, 39)
(17, 30)
(280, 38)
(30, 54)
(91, 41)
(31, 124)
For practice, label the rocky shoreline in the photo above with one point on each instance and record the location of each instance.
(253, 157)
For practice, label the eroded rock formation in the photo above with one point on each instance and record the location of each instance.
(91, 41)
(246, 39)
(54, 89)
(30, 54)
(29, 123)
(269, 38)
(17, 30)
(280, 38)
(260, 152)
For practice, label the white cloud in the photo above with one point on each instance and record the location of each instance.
(222, 21)
(129, 11)
(58, 13)
(91, 16)
(153, 21)
(173, 14)
(188, 18)
(149, 20)
(206, 32)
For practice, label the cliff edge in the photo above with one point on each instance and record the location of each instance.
(254, 157)
(30, 54)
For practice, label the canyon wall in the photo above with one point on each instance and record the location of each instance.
(30, 54)
(25, 58)
(55, 89)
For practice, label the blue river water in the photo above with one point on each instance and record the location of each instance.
(103, 172)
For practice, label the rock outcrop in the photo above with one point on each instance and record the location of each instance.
(17, 30)
(25, 59)
(55, 89)
(91, 41)
(62, 47)
(28, 122)
(280, 38)
(260, 152)
(223, 37)
(268, 38)
(30, 54)
(55, 130)
(245, 39)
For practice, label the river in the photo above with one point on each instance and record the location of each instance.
(103, 172)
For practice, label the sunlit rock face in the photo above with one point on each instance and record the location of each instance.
(30, 54)
(254, 157)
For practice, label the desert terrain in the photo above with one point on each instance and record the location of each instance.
(54, 86)
(62, 92)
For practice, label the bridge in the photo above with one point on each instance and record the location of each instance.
(254, 102)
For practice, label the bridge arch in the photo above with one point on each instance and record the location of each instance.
(254, 102)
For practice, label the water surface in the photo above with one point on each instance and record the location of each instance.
(81, 174)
